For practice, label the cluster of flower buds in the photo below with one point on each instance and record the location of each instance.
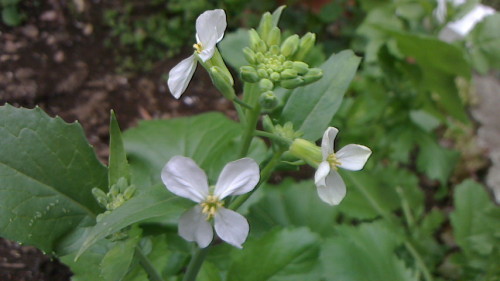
(118, 194)
(274, 62)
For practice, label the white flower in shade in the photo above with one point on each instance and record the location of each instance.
(331, 187)
(184, 178)
(210, 27)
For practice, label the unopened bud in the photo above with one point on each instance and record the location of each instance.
(307, 151)
(262, 73)
(288, 74)
(265, 25)
(292, 83)
(274, 49)
(249, 74)
(254, 38)
(129, 192)
(274, 37)
(267, 124)
(222, 82)
(100, 196)
(306, 43)
(275, 76)
(300, 67)
(290, 45)
(313, 75)
(266, 85)
(249, 55)
(260, 46)
(268, 100)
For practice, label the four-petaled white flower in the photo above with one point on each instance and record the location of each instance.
(331, 187)
(184, 178)
(210, 27)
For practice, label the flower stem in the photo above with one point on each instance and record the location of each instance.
(195, 264)
(153, 275)
(272, 136)
(242, 103)
(251, 92)
(264, 176)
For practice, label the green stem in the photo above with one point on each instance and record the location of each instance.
(242, 103)
(272, 136)
(195, 264)
(250, 97)
(264, 176)
(153, 275)
(420, 262)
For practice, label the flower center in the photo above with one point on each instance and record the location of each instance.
(198, 47)
(333, 161)
(210, 205)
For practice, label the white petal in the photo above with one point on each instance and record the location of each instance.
(237, 177)
(231, 227)
(333, 190)
(353, 156)
(210, 27)
(184, 178)
(180, 75)
(328, 141)
(321, 173)
(193, 226)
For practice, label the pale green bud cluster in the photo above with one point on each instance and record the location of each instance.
(118, 194)
(278, 62)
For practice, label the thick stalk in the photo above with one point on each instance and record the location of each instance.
(153, 275)
(251, 97)
(195, 264)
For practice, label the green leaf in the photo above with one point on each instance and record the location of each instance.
(282, 254)
(292, 204)
(154, 203)
(86, 268)
(116, 263)
(47, 171)
(365, 252)
(484, 40)
(11, 16)
(437, 162)
(231, 48)
(210, 139)
(475, 220)
(311, 108)
(118, 164)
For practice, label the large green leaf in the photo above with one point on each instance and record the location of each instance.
(210, 139)
(155, 203)
(231, 48)
(47, 171)
(485, 41)
(292, 204)
(365, 252)
(436, 161)
(287, 254)
(311, 108)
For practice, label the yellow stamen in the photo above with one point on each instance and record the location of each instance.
(333, 161)
(198, 47)
(210, 206)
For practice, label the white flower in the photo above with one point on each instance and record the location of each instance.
(331, 187)
(184, 178)
(210, 27)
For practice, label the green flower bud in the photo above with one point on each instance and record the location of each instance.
(306, 43)
(261, 46)
(262, 73)
(249, 55)
(129, 192)
(122, 183)
(288, 64)
(267, 124)
(313, 75)
(100, 196)
(265, 85)
(249, 74)
(292, 83)
(274, 37)
(300, 67)
(274, 49)
(254, 38)
(114, 190)
(268, 100)
(290, 45)
(288, 74)
(265, 25)
(259, 57)
(307, 151)
(275, 76)
(222, 82)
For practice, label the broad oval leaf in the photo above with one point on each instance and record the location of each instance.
(311, 108)
(47, 171)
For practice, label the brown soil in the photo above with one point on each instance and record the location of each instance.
(57, 60)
